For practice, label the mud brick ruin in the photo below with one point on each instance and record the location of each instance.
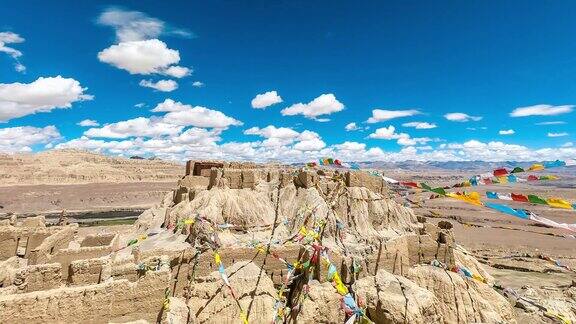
(50, 273)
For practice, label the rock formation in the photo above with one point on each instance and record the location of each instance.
(220, 246)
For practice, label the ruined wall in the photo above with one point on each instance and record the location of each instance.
(38, 277)
(27, 237)
(239, 175)
(88, 272)
(117, 301)
(36, 221)
(52, 244)
(66, 256)
(98, 239)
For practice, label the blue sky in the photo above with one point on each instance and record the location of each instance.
(419, 60)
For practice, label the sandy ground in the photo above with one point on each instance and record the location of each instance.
(86, 198)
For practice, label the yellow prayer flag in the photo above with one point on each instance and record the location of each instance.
(342, 290)
(503, 179)
(244, 317)
(478, 277)
(558, 203)
(471, 198)
(536, 167)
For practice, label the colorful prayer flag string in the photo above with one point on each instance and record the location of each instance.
(533, 199)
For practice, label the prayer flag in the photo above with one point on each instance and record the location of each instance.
(500, 172)
(491, 195)
(536, 200)
(559, 203)
(517, 197)
(517, 170)
(536, 167)
(554, 164)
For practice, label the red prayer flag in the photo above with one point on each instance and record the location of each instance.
(410, 184)
(500, 172)
(532, 177)
(522, 198)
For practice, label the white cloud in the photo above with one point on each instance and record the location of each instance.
(12, 38)
(141, 57)
(420, 125)
(170, 105)
(139, 51)
(176, 71)
(351, 127)
(178, 117)
(263, 100)
(19, 67)
(568, 144)
(389, 133)
(351, 146)
(461, 117)
(308, 135)
(273, 131)
(200, 117)
(506, 132)
(198, 84)
(198, 137)
(557, 134)
(140, 105)
(202, 143)
(283, 136)
(541, 110)
(42, 95)
(379, 115)
(410, 141)
(161, 85)
(88, 123)
(137, 127)
(135, 25)
(186, 115)
(323, 105)
(85, 143)
(310, 145)
(385, 133)
(551, 123)
(20, 139)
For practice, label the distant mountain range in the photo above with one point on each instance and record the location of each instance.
(445, 165)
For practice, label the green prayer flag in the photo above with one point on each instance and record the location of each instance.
(425, 186)
(536, 200)
(517, 170)
(440, 191)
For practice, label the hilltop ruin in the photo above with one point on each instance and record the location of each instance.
(164, 269)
